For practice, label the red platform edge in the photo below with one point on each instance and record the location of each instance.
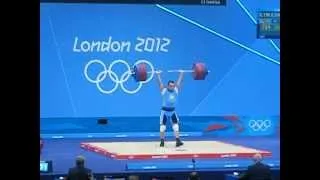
(104, 152)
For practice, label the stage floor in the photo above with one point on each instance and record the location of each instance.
(190, 149)
(63, 152)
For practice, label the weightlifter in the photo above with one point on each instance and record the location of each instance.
(169, 99)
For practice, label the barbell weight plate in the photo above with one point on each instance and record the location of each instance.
(143, 72)
(200, 71)
(140, 72)
(205, 71)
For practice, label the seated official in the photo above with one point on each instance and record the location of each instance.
(79, 172)
(132, 177)
(257, 171)
(194, 176)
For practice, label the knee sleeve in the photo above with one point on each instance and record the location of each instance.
(162, 128)
(175, 127)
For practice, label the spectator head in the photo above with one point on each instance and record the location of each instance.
(257, 158)
(80, 161)
(194, 176)
(133, 177)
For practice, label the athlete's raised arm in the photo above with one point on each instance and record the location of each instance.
(159, 80)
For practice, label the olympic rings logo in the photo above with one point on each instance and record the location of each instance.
(116, 79)
(259, 125)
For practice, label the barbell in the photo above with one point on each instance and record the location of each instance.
(199, 71)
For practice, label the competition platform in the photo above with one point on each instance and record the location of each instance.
(151, 150)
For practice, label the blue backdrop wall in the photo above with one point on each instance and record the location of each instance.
(244, 78)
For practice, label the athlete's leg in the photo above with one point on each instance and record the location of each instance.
(175, 124)
(175, 127)
(163, 121)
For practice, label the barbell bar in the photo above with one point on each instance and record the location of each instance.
(199, 71)
(182, 70)
(172, 71)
